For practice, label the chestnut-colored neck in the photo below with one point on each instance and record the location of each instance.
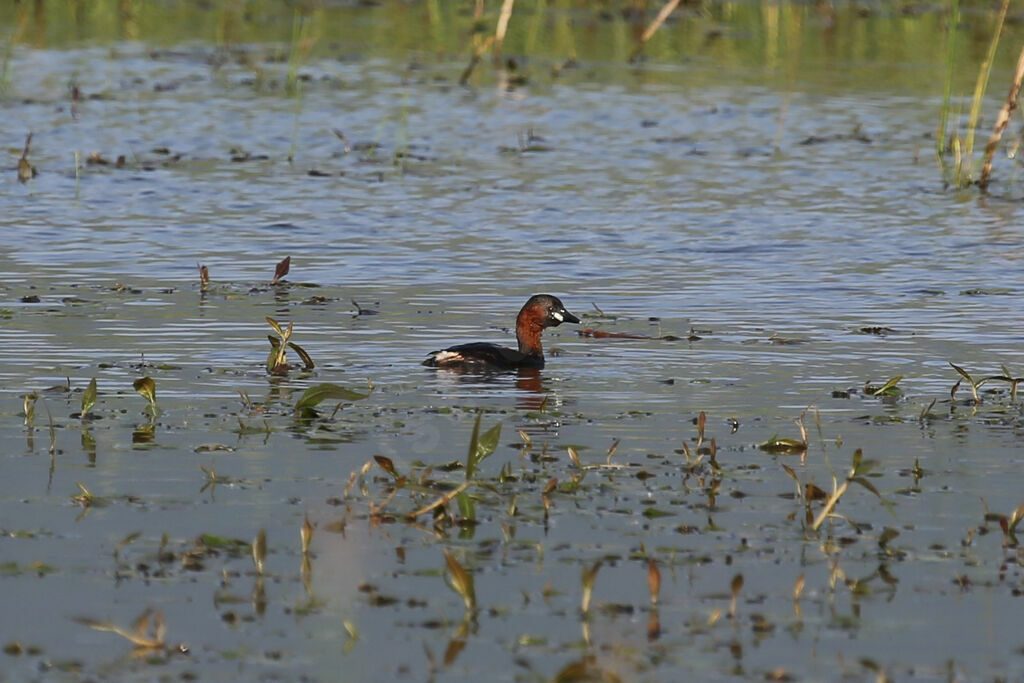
(528, 329)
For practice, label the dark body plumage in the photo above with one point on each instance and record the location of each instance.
(540, 312)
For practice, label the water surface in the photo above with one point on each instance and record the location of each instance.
(764, 181)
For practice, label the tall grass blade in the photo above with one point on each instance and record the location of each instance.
(940, 136)
(982, 83)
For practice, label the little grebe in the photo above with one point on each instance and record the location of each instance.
(542, 310)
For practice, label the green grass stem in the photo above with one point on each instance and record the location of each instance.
(982, 83)
(954, 21)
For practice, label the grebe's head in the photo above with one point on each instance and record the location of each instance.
(547, 311)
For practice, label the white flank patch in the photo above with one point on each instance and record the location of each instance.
(442, 357)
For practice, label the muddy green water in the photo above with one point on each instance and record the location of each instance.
(764, 179)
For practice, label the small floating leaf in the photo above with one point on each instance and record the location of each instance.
(140, 634)
(575, 458)
(783, 446)
(889, 388)
(461, 580)
(146, 386)
(307, 361)
(386, 464)
(25, 169)
(259, 550)
(89, 397)
(735, 587)
(887, 535)
(282, 269)
(1015, 518)
(29, 406)
(306, 534)
(481, 446)
(963, 373)
(653, 580)
(314, 395)
(587, 580)
(611, 452)
(275, 326)
(363, 311)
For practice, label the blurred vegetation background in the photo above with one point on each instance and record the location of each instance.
(887, 44)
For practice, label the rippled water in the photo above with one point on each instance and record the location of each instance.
(774, 222)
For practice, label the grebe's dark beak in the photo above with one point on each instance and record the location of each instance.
(561, 315)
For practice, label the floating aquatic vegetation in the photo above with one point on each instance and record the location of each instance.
(460, 580)
(587, 580)
(481, 445)
(281, 269)
(26, 171)
(259, 551)
(653, 580)
(859, 470)
(277, 363)
(889, 389)
(29, 408)
(316, 394)
(735, 586)
(976, 384)
(146, 387)
(363, 311)
(88, 398)
(783, 446)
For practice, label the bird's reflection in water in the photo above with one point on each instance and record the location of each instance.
(532, 397)
(529, 383)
